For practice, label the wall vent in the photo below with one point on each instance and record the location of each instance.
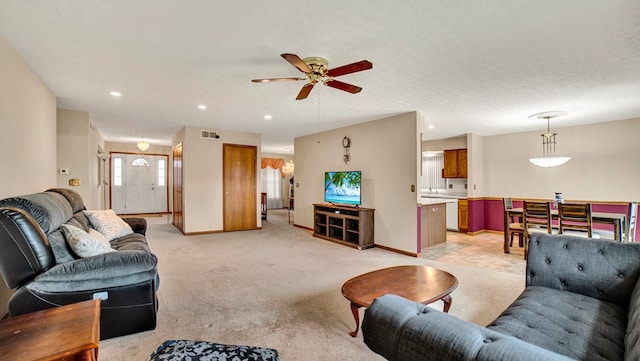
(208, 134)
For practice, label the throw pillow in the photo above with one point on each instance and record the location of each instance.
(108, 223)
(84, 244)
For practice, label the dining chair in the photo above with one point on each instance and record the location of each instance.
(536, 218)
(516, 228)
(629, 227)
(575, 219)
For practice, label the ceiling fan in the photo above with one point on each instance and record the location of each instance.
(317, 70)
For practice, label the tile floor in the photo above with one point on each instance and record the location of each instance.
(483, 251)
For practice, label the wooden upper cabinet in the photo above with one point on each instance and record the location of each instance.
(455, 163)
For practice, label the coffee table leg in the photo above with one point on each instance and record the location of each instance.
(354, 311)
(447, 303)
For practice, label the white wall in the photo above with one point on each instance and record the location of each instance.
(28, 136)
(78, 145)
(202, 176)
(604, 164)
(387, 152)
(28, 119)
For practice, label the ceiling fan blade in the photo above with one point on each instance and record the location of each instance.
(304, 92)
(350, 68)
(276, 79)
(297, 62)
(343, 86)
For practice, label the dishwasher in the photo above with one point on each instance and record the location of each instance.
(452, 214)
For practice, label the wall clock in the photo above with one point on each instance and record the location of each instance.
(346, 144)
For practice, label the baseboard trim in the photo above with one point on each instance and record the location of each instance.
(201, 232)
(395, 250)
(303, 227)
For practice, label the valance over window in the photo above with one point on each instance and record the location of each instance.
(275, 163)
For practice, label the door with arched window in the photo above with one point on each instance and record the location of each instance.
(139, 183)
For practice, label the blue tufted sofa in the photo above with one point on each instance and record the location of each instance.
(581, 302)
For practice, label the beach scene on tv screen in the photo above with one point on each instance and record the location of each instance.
(342, 187)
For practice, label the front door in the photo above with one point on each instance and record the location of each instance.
(138, 183)
(239, 187)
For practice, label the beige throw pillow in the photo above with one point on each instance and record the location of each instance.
(84, 244)
(108, 223)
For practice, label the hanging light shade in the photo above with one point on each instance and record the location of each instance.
(288, 168)
(142, 145)
(549, 159)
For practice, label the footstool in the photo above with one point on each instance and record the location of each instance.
(185, 350)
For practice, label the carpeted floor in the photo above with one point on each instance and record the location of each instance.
(280, 288)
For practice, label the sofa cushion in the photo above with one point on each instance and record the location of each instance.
(85, 244)
(570, 324)
(596, 268)
(74, 198)
(632, 338)
(61, 249)
(131, 242)
(108, 223)
(49, 209)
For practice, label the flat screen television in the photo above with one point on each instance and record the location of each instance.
(342, 187)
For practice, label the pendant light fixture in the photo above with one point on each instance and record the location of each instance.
(549, 159)
(142, 145)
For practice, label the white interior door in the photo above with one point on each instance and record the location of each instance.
(139, 183)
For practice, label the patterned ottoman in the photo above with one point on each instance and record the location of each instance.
(185, 350)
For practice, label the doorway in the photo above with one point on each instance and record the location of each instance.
(239, 187)
(139, 183)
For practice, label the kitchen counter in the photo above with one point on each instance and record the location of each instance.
(430, 200)
(443, 195)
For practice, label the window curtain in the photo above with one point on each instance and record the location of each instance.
(275, 163)
(271, 174)
(432, 168)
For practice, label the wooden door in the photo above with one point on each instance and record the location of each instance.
(239, 187)
(178, 219)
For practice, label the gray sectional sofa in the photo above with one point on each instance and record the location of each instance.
(581, 302)
(36, 261)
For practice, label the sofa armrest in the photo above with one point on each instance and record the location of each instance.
(400, 329)
(138, 225)
(107, 270)
(602, 269)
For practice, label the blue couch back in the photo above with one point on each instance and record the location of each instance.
(602, 269)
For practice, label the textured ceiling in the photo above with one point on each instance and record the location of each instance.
(466, 66)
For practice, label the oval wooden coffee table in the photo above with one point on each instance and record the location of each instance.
(422, 284)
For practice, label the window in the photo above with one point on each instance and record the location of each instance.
(432, 164)
(140, 162)
(161, 173)
(117, 172)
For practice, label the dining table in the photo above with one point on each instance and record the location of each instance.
(616, 219)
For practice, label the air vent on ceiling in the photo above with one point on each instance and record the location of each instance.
(208, 134)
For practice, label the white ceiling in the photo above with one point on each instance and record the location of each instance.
(466, 66)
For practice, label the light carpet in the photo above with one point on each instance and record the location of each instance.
(279, 287)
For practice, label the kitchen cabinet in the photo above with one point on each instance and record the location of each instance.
(433, 225)
(455, 163)
(463, 215)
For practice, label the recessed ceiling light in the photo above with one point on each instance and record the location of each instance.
(431, 126)
(268, 117)
(202, 107)
(115, 93)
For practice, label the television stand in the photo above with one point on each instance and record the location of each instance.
(349, 226)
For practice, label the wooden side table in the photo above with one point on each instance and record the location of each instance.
(65, 333)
